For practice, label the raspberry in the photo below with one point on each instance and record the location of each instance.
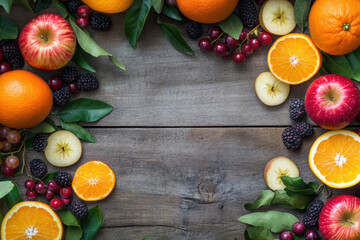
(73, 5)
(12, 54)
(63, 179)
(291, 140)
(248, 13)
(87, 82)
(62, 97)
(194, 30)
(100, 22)
(297, 109)
(40, 142)
(303, 129)
(311, 217)
(69, 74)
(79, 209)
(38, 168)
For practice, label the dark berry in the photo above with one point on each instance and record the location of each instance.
(291, 140)
(11, 53)
(62, 97)
(297, 109)
(194, 30)
(55, 83)
(29, 184)
(79, 209)
(73, 88)
(238, 57)
(49, 194)
(7, 171)
(56, 204)
(73, 5)
(40, 142)
(254, 43)
(66, 201)
(3, 132)
(311, 216)
(17, 62)
(53, 186)
(5, 67)
(69, 74)
(66, 192)
(303, 129)
(247, 50)
(82, 22)
(220, 48)
(311, 235)
(248, 13)
(243, 35)
(31, 194)
(38, 168)
(205, 45)
(13, 137)
(6, 146)
(214, 32)
(231, 42)
(12, 162)
(40, 188)
(63, 179)
(84, 11)
(298, 228)
(87, 82)
(100, 22)
(286, 235)
(265, 38)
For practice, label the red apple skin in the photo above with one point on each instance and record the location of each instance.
(332, 221)
(47, 42)
(332, 101)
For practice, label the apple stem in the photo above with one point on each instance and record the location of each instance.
(347, 220)
(44, 38)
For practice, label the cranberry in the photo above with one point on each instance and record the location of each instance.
(30, 194)
(311, 235)
(6, 146)
(214, 32)
(30, 184)
(265, 38)
(286, 235)
(56, 204)
(299, 228)
(53, 186)
(7, 171)
(238, 57)
(247, 49)
(205, 45)
(55, 83)
(84, 11)
(254, 43)
(220, 48)
(3, 132)
(82, 22)
(4, 67)
(40, 188)
(49, 194)
(66, 192)
(231, 42)
(66, 201)
(12, 162)
(73, 88)
(242, 35)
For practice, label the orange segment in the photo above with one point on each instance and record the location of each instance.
(294, 58)
(335, 158)
(31, 220)
(93, 181)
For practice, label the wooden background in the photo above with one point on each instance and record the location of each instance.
(188, 139)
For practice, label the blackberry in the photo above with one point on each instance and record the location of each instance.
(69, 74)
(62, 97)
(311, 216)
(291, 140)
(297, 109)
(100, 22)
(79, 209)
(73, 5)
(248, 13)
(63, 179)
(303, 129)
(194, 30)
(12, 54)
(40, 142)
(87, 82)
(38, 168)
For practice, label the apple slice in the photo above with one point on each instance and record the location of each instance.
(63, 149)
(271, 91)
(277, 17)
(277, 168)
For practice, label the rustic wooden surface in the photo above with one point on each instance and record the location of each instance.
(188, 139)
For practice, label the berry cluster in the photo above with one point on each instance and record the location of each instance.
(9, 139)
(10, 57)
(71, 82)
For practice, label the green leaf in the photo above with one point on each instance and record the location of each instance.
(8, 29)
(300, 201)
(135, 19)
(337, 65)
(298, 186)
(68, 218)
(354, 61)
(73, 233)
(6, 4)
(51, 122)
(274, 220)
(13, 197)
(259, 233)
(80, 58)
(42, 5)
(301, 11)
(60, 7)
(92, 223)
(265, 199)
(2, 215)
(43, 127)
(116, 63)
(79, 131)
(232, 25)
(158, 5)
(85, 110)
(50, 176)
(171, 12)
(25, 4)
(173, 34)
(5, 188)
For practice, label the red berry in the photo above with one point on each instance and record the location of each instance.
(220, 48)
(66, 201)
(84, 11)
(242, 35)
(40, 188)
(82, 22)
(73, 88)
(214, 32)
(238, 57)
(4, 67)
(254, 43)
(55, 83)
(12, 162)
(13, 137)
(311, 235)
(49, 194)
(286, 235)
(30, 194)
(247, 49)
(56, 204)
(298, 228)
(6, 146)
(227, 55)
(66, 192)
(205, 45)
(231, 42)
(53, 186)
(265, 38)
(3, 132)
(30, 184)
(7, 171)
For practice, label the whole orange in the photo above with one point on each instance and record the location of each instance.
(109, 6)
(25, 100)
(335, 25)
(207, 11)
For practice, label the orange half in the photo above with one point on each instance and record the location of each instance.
(93, 181)
(335, 158)
(31, 220)
(294, 58)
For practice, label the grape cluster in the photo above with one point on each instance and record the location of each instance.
(8, 139)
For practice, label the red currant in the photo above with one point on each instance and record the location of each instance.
(73, 88)
(13, 137)
(214, 32)
(84, 11)
(7, 171)
(12, 162)
(242, 35)
(82, 22)
(53, 186)
(286, 235)
(247, 49)
(5, 67)
(66, 192)
(205, 45)
(254, 43)
(265, 38)
(56, 204)
(30, 194)
(6, 146)
(238, 57)
(311, 235)
(66, 201)
(40, 188)
(55, 83)
(227, 55)
(298, 228)
(49, 194)
(220, 48)
(3, 132)
(231, 42)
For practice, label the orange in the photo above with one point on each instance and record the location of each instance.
(207, 11)
(31, 220)
(335, 158)
(335, 25)
(25, 100)
(93, 181)
(109, 6)
(294, 58)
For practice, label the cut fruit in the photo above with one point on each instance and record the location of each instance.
(294, 58)
(93, 181)
(63, 149)
(271, 91)
(335, 158)
(277, 17)
(31, 220)
(277, 168)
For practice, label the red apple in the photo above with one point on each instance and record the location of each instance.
(332, 101)
(340, 218)
(47, 42)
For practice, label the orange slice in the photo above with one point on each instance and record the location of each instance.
(93, 181)
(335, 158)
(31, 220)
(294, 58)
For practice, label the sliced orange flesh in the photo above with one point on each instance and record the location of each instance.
(294, 58)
